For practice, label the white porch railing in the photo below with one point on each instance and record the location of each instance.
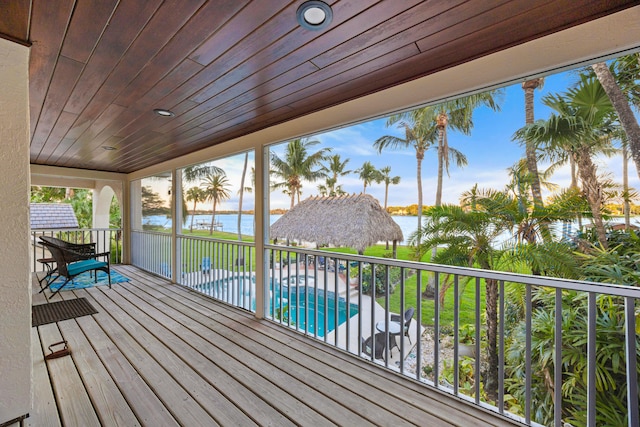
(221, 269)
(151, 251)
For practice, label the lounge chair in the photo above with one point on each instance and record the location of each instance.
(165, 270)
(71, 264)
(408, 315)
(205, 266)
(81, 248)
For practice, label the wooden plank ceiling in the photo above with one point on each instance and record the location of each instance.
(98, 68)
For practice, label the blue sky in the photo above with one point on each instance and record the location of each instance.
(489, 151)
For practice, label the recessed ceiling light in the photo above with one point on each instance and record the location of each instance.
(108, 148)
(314, 15)
(164, 113)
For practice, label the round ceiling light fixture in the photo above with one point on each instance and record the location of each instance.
(164, 113)
(314, 15)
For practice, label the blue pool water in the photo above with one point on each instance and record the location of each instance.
(310, 314)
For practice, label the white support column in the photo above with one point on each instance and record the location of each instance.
(261, 212)
(102, 196)
(15, 290)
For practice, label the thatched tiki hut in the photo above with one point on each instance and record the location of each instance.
(355, 221)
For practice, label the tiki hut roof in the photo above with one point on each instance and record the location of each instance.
(355, 221)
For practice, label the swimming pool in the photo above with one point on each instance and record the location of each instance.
(315, 315)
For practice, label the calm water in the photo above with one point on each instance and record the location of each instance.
(408, 224)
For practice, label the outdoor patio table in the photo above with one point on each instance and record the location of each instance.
(394, 330)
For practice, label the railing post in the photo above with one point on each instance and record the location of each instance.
(631, 354)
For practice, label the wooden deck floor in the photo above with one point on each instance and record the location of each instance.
(158, 354)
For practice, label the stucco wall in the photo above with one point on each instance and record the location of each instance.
(15, 286)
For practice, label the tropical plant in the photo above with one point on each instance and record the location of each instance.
(457, 115)
(195, 195)
(468, 238)
(216, 189)
(420, 134)
(368, 174)
(388, 180)
(621, 104)
(298, 165)
(529, 87)
(582, 124)
(334, 169)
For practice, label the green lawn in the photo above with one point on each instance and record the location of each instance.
(466, 291)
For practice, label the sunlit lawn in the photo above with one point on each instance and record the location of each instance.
(466, 291)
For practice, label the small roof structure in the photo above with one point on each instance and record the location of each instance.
(52, 215)
(355, 221)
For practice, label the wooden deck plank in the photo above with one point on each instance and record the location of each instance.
(74, 404)
(111, 407)
(44, 412)
(318, 373)
(143, 401)
(244, 387)
(164, 352)
(403, 392)
(340, 403)
(175, 398)
(170, 356)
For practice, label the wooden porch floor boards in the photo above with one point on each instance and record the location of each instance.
(158, 354)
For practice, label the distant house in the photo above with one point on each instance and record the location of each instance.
(52, 215)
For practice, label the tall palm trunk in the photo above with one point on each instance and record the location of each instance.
(592, 191)
(213, 217)
(530, 150)
(626, 206)
(442, 154)
(195, 202)
(623, 109)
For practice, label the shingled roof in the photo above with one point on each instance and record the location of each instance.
(355, 221)
(52, 215)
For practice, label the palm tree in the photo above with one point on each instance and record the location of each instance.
(582, 124)
(298, 165)
(334, 169)
(623, 109)
(195, 195)
(529, 87)
(420, 134)
(197, 172)
(467, 238)
(368, 174)
(388, 180)
(457, 115)
(216, 189)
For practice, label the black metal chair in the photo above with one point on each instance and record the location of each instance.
(70, 264)
(408, 315)
(378, 349)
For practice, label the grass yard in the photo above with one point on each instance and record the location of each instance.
(466, 291)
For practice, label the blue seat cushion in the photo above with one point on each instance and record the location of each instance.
(81, 266)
